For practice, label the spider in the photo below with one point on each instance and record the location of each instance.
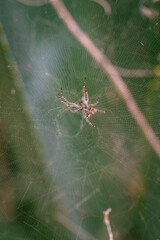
(87, 109)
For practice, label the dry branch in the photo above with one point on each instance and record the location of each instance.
(107, 223)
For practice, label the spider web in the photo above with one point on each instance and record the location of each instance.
(91, 169)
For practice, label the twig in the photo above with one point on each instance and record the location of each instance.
(105, 5)
(109, 69)
(107, 223)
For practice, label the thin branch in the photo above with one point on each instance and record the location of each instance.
(105, 5)
(107, 223)
(109, 69)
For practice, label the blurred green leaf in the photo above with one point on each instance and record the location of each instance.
(61, 173)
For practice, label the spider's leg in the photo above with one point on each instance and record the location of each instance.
(101, 111)
(65, 100)
(94, 104)
(84, 83)
(61, 92)
(66, 104)
(62, 97)
(73, 111)
(86, 97)
(84, 90)
(89, 123)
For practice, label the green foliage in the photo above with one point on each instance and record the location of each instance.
(59, 174)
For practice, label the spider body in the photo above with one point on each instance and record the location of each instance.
(87, 109)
